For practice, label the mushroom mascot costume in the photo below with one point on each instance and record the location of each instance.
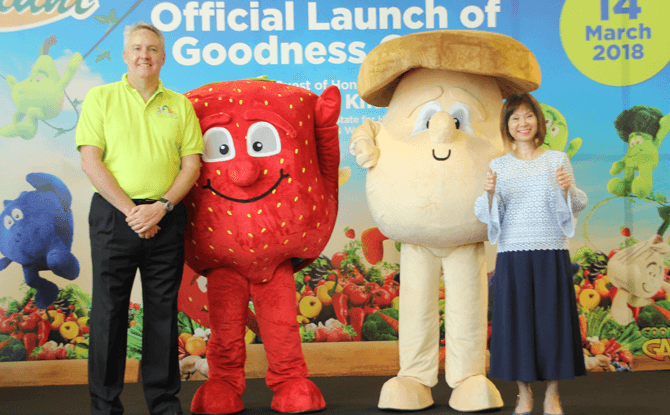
(426, 160)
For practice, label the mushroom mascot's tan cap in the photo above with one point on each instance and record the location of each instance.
(483, 53)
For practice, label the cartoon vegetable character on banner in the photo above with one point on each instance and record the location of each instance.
(40, 96)
(644, 129)
(557, 132)
(637, 272)
(263, 208)
(37, 233)
(425, 161)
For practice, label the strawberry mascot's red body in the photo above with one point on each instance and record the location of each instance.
(263, 208)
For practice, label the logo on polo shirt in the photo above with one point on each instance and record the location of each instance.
(165, 110)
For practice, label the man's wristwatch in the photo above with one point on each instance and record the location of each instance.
(167, 205)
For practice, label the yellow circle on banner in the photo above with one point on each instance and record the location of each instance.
(616, 42)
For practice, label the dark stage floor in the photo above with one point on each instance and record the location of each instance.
(644, 393)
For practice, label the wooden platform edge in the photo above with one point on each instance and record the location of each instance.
(323, 360)
(55, 372)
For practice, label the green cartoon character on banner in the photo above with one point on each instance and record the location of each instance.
(557, 132)
(644, 129)
(40, 96)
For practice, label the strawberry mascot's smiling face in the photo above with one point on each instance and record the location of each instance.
(267, 190)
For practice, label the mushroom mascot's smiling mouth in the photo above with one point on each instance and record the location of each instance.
(441, 158)
(282, 176)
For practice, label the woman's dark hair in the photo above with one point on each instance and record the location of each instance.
(512, 103)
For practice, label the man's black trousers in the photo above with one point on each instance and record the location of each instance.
(117, 253)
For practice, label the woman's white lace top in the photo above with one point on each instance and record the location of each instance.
(528, 209)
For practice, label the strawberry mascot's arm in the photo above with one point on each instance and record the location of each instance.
(264, 206)
(327, 140)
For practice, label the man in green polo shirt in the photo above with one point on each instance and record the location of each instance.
(140, 146)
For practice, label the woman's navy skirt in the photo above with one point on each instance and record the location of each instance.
(535, 327)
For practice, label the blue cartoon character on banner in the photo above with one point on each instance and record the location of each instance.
(36, 232)
(40, 96)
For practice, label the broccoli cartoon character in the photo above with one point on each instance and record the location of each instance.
(637, 272)
(40, 96)
(644, 129)
(263, 208)
(37, 233)
(557, 132)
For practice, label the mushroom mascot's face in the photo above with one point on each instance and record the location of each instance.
(441, 127)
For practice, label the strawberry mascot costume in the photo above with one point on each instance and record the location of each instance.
(263, 208)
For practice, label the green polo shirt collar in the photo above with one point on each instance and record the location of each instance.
(129, 88)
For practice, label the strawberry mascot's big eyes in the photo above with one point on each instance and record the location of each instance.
(264, 206)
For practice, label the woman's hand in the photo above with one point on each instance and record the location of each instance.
(490, 181)
(563, 179)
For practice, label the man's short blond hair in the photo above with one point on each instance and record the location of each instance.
(132, 28)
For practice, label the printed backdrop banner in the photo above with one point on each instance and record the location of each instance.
(604, 77)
